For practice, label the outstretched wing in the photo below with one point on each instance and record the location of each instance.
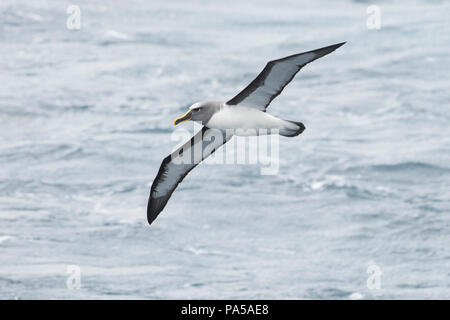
(178, 164)
(275, 76)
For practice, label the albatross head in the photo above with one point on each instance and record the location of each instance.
(200, 112)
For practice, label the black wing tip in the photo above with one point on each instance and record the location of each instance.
(325, 50)
(151, 217)
(337, 45)
(154, 208)
(329, 49)
(151, 213)
(340, 43)
(320, 52)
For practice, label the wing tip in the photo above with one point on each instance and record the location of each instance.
(156, 205)
(337, 45)
(325, 50)
(154, 208)
(331, 48)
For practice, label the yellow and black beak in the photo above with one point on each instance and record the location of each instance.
(185, 117)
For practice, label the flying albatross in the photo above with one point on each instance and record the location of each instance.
(244, 114)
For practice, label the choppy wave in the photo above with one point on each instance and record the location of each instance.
(86, 118)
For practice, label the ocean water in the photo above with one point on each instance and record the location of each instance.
(86, 118)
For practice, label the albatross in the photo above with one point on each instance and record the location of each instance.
(245, 114)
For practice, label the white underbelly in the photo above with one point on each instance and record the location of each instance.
(245, 121)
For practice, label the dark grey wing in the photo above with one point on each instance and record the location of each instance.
(275, 76)
(178, 164)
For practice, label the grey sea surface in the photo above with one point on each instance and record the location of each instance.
(86, 119)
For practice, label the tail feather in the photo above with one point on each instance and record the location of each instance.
(292, 129)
